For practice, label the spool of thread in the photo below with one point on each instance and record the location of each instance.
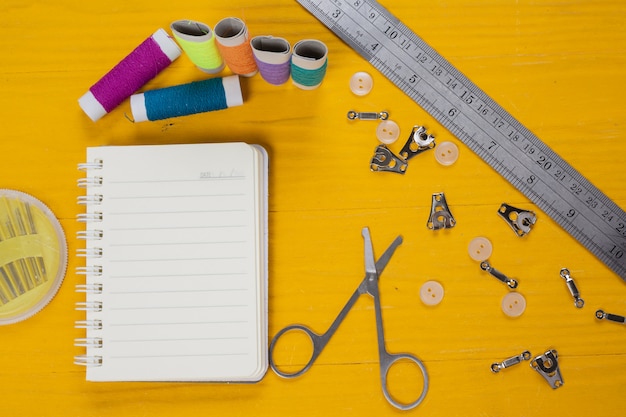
(308, 63)
(143, 64)
(273, 58)
(198, 42)
(233, 43)
(182, 100)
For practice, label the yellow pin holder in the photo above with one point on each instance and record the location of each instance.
(33, 256)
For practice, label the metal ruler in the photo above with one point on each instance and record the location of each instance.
(480, 123)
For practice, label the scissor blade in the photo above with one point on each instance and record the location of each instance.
(382, 262)
(370, 263)
(377, 267)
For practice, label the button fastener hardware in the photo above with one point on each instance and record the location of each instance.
(387, 132)
(513, 304)
(361, 83)
(480, 248)
(431, 293)
(548, 367)
(447, 153)
(571, 285)
(514, 360)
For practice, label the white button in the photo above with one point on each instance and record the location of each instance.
(361, 83)
(446, 153)
(480, 249)
(513, 304)
(387, 131)
(431, 293)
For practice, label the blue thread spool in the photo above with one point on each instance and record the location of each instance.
(308, 63)
(182, 100)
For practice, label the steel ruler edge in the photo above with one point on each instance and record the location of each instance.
(480, 123)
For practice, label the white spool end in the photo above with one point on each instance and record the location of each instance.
(480, 249)
(431, 293)
(387, 132)
(91, 106)
(167, 44)
(513, 304)
(361, 83)
(271, 50)
(138, 107)
(446, 153)
(232, 89)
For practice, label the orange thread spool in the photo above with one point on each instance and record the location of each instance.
(233, 43)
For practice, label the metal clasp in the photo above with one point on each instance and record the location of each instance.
(353, 115)
(520, 220)
(571, 285)
(514, 360)
(485, 266)
(440, 216)
(385, 160)
(601, 315)
(418, 142)
(548, 367)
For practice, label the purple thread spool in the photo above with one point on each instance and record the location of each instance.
(273, 58)
(140, 66)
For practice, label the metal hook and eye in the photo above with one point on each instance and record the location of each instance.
(514, 360)
(602, 315)
(485, 266)
(571, 285)
(354, 115)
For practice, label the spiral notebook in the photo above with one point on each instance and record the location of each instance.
(175, 263)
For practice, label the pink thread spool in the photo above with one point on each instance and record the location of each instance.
(273, 58)
(143, 64)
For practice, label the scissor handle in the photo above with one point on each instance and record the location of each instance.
(387, 360)
(318, 342)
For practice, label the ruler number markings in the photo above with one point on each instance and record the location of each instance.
(464, 90)
(494, 135)
(541, 158)
(396, 33)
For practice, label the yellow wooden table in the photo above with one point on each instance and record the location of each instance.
(558, 66)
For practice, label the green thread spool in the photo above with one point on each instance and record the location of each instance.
(198, 42)
(308, 63)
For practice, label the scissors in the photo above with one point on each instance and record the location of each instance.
(369, 285)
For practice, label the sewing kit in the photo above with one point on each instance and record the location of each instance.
(33, 256)
(417, 70)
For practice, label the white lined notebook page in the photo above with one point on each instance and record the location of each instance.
(183, 268)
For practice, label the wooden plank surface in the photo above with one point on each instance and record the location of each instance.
(557, 66)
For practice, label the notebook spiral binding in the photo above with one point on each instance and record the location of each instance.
(92, 271)
(90, 199)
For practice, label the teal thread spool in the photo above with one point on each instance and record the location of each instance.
(198, 42)
(186, 99)
(309, 61)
